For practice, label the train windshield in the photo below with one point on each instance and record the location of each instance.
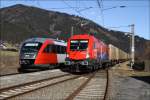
(31, 47)
(78, 44)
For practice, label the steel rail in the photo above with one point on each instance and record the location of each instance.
(52, 84)
(28, 83)
(107, 85)
(84, 84)
(77, 91)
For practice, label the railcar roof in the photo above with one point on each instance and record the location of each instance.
(80, 36)
(41, 40)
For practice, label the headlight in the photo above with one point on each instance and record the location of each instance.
(34, 56)
(67, 55)
(87, 55)
(29, 56)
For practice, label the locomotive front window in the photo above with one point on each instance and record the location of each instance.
(31, 47)
(78, 44)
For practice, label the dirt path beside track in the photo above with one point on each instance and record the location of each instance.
(127, 84)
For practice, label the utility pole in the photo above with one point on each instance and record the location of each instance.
(132, 46)
(132, 43)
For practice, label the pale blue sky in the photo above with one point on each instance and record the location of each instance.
(136, 12)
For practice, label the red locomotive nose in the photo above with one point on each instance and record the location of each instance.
(78, 55)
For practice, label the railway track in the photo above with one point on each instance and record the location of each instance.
(94, 86)
(20, 89)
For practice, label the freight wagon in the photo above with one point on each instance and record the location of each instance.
(116, 55)
(113, 54)
(123, 56)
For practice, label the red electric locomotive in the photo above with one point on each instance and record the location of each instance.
(86, 51)
(42, 53)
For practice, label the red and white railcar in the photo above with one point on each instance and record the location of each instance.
(42, 53)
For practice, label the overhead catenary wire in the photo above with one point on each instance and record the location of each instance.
(119, 26)
(78, 11)
(72, 8)
(72, 28)
(85, 9)
(88, 7)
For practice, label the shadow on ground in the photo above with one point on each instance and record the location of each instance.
(142, 78)
(34, 70)
(75, 72)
